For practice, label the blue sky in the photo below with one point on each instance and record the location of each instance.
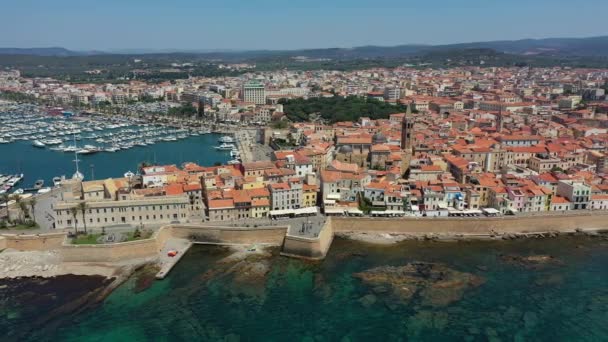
(289, 24)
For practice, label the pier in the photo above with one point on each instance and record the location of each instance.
(166, 262)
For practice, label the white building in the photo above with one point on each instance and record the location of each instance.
(287, 195)
(577, 192)
(254, 92)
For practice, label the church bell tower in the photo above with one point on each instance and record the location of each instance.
(407, 130)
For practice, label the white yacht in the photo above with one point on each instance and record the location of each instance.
(225, 146)
(38, 143)
(226, 139)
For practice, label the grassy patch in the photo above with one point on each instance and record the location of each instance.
(21, 226)
(146, 234)
(89, 239)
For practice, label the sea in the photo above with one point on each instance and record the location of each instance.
(42, 163)
(522, 290)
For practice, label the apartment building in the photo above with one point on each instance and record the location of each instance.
(287, 195)
(577, 192)
(254, 92)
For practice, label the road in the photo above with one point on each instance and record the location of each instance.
(250, 149)
(44, 214)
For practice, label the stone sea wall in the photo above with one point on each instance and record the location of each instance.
(481, 225)
(311, 248)
(231, 235)
(34, 242)
(110, 252)
(300, 246)
(147, 248)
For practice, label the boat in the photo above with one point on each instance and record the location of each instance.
(224, 146)
(234, 162)
(38, 143)
(88, 149)
(39, 183)
(71, 148)
(226, 139)
(52, 142)
(44, 190)
(57, 181)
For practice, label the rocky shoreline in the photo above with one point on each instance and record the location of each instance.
(392, 238)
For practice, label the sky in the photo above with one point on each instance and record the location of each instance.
(112, 25)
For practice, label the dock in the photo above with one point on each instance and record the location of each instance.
(166, 262)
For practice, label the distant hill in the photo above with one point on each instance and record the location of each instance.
(49, 52)
(557, 47)
(584, 47)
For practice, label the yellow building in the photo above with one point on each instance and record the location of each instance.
(253, 183)
(260, 207)
(309, 197)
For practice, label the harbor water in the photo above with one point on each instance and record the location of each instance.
(42, 163)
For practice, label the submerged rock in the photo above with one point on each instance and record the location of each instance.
(530, 261)
(145, 277)
(530, 319)
(436, 284)
(368, 300)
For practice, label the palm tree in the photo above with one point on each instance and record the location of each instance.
(83, 207)
(74, 212)
(18, 201)
(32, 204)
(23, 210)
(4, 198)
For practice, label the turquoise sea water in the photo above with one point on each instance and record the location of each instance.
(35, 163)
(565, 299)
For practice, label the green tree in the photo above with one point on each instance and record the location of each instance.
(23, 209)
(33, 201)
(338, 108)
(83, 207)
(74, 212)
(18, 201)
(4, 198)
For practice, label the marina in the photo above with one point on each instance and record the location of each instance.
(99, 134)
(39, 146)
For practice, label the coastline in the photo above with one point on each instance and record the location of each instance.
(379, 238)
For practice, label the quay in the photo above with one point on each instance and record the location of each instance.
(166, 262)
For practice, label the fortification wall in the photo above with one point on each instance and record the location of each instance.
(110, 252)
(518, 224)
(38, 242)
(310, 248)
(266, 235)
(2, 243)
